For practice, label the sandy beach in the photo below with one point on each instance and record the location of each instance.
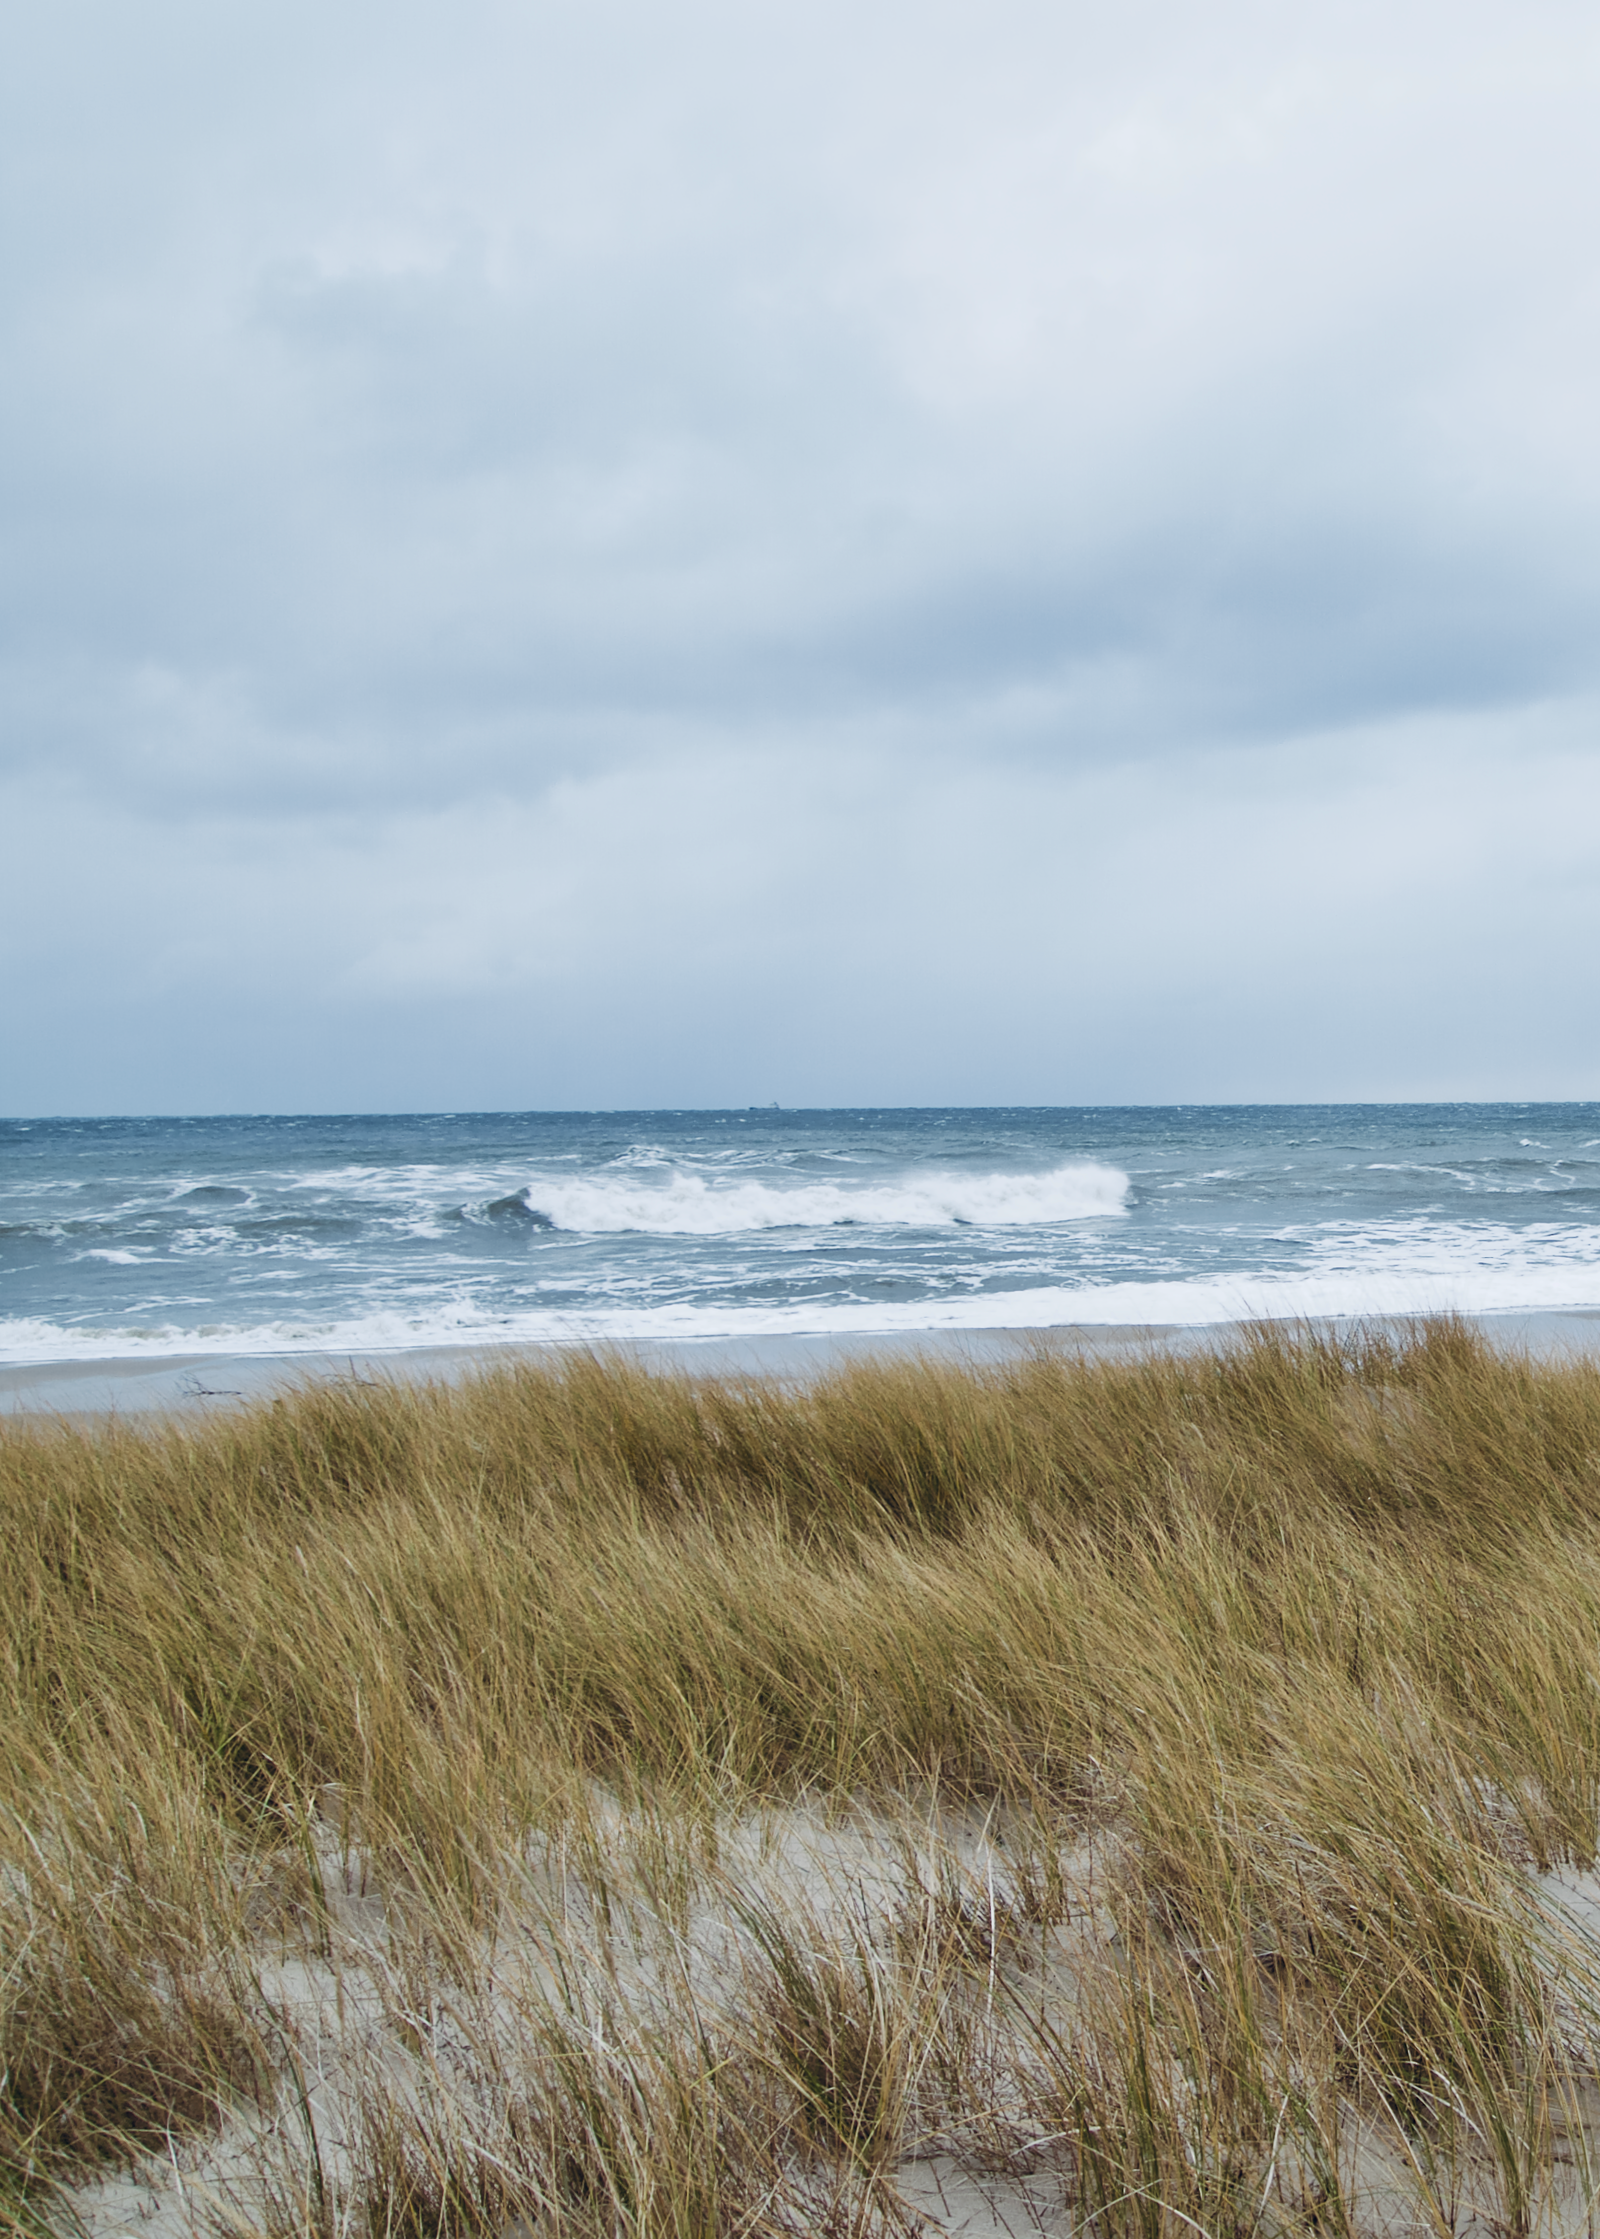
(198, 1384)
(193, 1383)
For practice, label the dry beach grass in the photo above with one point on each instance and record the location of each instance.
(1153, 1796)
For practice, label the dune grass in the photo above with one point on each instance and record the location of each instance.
(1193, 1762)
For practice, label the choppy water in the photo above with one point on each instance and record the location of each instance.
(271, 1235)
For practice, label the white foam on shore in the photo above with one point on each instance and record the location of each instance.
(1405, 1274)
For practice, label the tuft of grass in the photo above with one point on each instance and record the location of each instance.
(840, 2032)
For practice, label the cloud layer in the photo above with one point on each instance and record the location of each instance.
(617, 555)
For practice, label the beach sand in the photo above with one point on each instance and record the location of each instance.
(196, 1384)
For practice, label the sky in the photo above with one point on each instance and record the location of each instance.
(564, 555)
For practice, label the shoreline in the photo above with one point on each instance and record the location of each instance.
(192, 1386)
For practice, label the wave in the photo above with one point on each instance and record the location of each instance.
(1177, 1303)
(686, 1204)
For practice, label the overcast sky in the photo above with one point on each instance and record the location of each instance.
(601, 553)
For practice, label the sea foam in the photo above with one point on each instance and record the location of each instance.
(688, 1204)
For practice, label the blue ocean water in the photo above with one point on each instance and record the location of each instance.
(367, 1233)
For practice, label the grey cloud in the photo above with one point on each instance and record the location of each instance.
(1398, 918)
(456, 464)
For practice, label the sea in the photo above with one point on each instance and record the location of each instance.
(247, 1235)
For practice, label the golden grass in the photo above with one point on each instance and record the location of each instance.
(1210, 1728)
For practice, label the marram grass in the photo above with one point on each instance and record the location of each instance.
(1157, 1794)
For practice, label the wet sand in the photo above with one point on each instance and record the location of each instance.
(192, 1385)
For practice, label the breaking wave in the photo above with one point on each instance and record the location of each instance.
(155, 1241)
(686, 1204)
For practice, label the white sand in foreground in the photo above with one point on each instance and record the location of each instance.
(968, 1928)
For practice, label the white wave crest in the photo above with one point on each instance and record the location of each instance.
(686, 1204)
